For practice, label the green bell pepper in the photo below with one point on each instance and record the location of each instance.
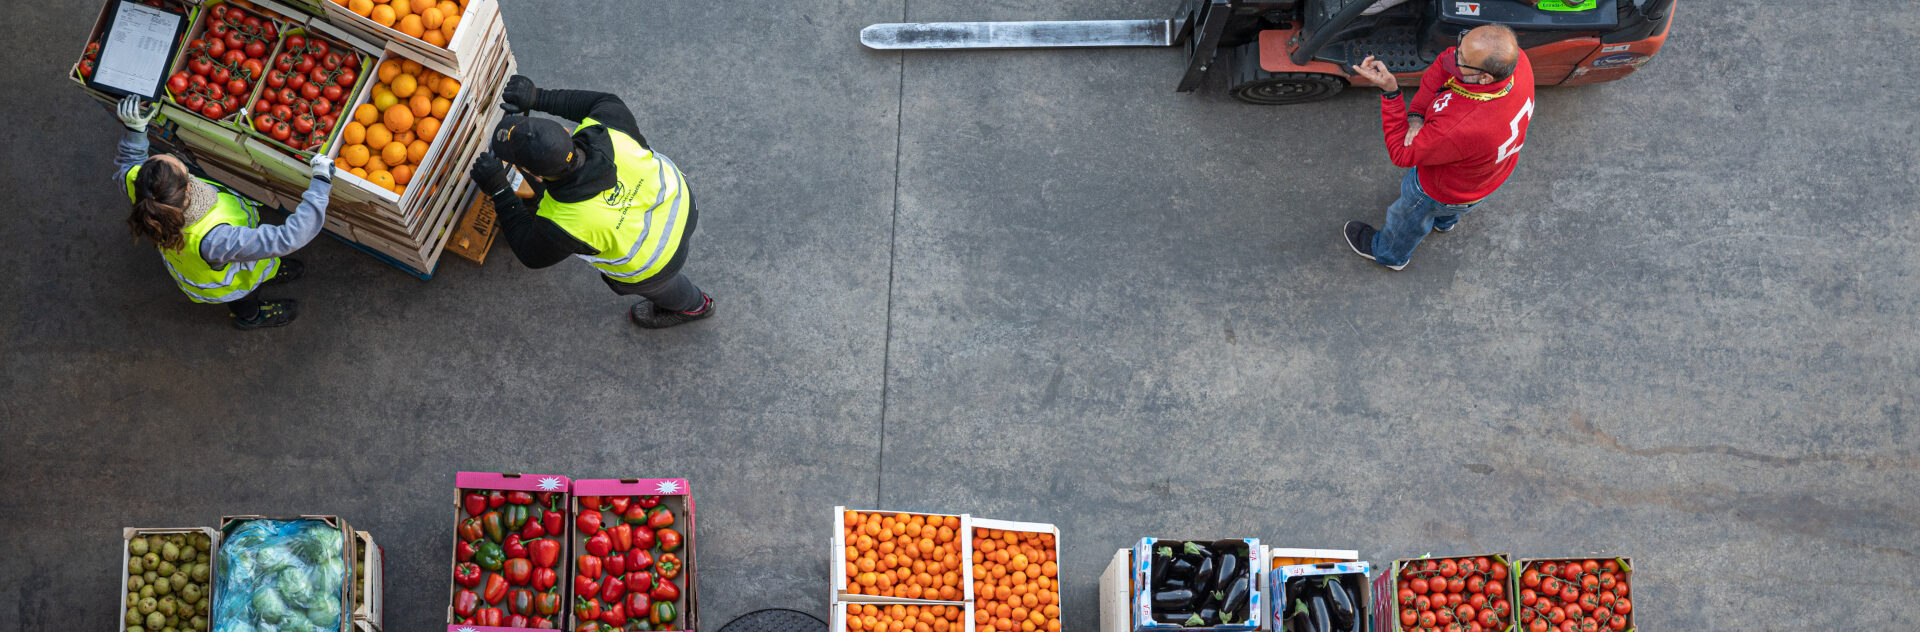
(662, 613)
(516, 517)
(489, 556)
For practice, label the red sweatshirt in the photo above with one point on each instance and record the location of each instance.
(1468, 146)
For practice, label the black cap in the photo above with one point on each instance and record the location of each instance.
(540, 146)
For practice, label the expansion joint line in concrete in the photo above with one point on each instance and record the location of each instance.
(893, 232)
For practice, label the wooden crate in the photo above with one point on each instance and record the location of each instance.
(464, 53)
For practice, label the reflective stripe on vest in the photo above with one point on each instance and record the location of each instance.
(648, 188)
(202, 282)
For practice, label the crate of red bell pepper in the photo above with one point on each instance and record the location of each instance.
(509, 552)
(634, 569)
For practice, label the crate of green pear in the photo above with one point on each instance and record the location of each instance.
(169, 574)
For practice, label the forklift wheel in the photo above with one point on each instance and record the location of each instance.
(1287, 88)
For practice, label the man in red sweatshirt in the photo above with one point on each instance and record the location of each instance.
(1469, 121)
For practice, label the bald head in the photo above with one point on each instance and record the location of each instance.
(1491, 48)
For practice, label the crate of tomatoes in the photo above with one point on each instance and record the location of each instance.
(634, 569)
(509, 551)
(225, 58)
(311, 80)
(1435, 593)
(1575, 594)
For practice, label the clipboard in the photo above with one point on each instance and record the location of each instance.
(137, 47)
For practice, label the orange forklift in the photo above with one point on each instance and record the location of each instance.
(1280, 52)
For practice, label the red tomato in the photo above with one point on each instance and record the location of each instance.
(296, 80)
(300, 106)
(1556, 614)
(1457, 585)
(1418, 585)
(1617, 622)
(331, 61)
(1477, 584)
(1589, 566)
(283, 62)
(215, 48)
(1498, 572)
(1530, 579)
(86, 68)
(1482, 563)
(1448, 568)
(319, 48)
(196, 82)
(1623, 606)
(215, 92)
(310, 92)
(1422, 603)
(219, 75)
(1427, 619)
(1527, 597)
(1501, 607)
(321, 128)
(232, 57)
(1406, 597)
(304, 64)
(287, 96)
(252, 22)
(282, 112)
(1538, 625)
(256, 49)
(321, 106)
(319, 76)
(252, 68)
(1606, 598)
(296, 42)
(1489, 618)
(280, 131)
(1620, 589)
(1496, 590)
(1589, 625)
(1550, 569)
(1600, 613)
(1477, 600)
(178, 82)
(235, 41)
(277, 79)
(1408, 618)
(269, 31)
(1464, 612)
(333, 93)
(1454, 600)
(263, 106)
(1574, 611)
(1443, 616)
(345, 80)
(200, 65)
(263, 124)
(219, 11)
(213, 111)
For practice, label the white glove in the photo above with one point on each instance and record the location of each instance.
(135, 116)
(322, 166)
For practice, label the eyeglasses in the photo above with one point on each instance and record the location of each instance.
(1457, 64)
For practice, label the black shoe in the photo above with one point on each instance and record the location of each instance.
(1360, 239)
(290, 271)
(272, 314)
(647, 316)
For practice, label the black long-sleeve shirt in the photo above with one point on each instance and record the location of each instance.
(537, 241)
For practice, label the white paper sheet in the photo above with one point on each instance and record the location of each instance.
(134, 56)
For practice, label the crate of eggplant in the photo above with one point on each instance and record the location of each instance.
(1323, 597)
(1196, 585)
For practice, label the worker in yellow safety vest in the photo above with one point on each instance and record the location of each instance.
(602, 194)
(210, 237)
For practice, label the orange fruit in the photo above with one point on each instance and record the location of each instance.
(411, 26)
(427, 128)
(376, 164)
(394, 154)
(421, 105)
(382, 178)
(355, 155)
(440, 107)
(402, 174)
(421, 5)
(449, 87)
(404, 85)
(388, 70)
(435, 37)
(359, 173)
(411, 67)
(448, 8)
(378, 136)
(398, 118)
(382, 98)
(383, 14)
(416, 150)
(366, 114)
(362, 7)
(405, 137)
(452, 23)
(354, 133)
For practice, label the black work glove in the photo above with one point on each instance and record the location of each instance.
(489, 173)
(518, 96)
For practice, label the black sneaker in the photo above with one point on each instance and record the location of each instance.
(645, 315)
(290, 271)
(1360, 239)
(272, 314)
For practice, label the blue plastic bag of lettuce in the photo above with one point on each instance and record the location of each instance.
(280, 576)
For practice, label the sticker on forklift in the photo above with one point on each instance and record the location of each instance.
(1615, 48)
(1466, 8)
(1617, 60)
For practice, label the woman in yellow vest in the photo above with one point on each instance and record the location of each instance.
(602, 195)
(209, 237)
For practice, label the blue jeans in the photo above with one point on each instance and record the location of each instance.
(1410, 219)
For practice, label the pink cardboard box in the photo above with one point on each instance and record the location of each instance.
(675, 497)
(552, 487)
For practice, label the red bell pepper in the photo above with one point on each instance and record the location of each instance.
(669, 540)
(639, 559)
(517, 621)
(544, 552)
(554, 522)
(588, 523)
(546, 603)
(520, 601)
(612, 591)
(660, 518)
(464, 603)
(463, 551)
(664, 590)
(495, 499)
(491, 617)
(520, 498)
(634, 514)
(533, 530)
(475, 503)
(467, 574)
(586, 609)
(643, 538)
(589, 566)
(614, 615)
(618, 504)
(600, 544)
(494, 525)
(470, 530)
(648, 501)
(638, 602)
(639, 581)
(495, 591)
(616, 564)
(541, 623)
(590, 503)
(585, 586)
(544, 578)
(518, 571)
(513, 547)
(669, 566)
(622, 537)
(590, 626)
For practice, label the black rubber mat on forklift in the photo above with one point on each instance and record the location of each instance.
(1397, 46)
(775, 620)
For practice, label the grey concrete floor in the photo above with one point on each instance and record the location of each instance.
(1042, 286)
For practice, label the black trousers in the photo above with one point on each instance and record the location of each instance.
(668, 289)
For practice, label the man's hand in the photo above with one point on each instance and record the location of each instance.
(1376, 73)
(1413, 129)
(322, 166)
(519, 94)
(489, 173)
(135, 115)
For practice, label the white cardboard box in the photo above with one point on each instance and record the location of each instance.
(1027, 527)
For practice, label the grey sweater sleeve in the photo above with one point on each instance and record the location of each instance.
(231, 244)
(133, 151)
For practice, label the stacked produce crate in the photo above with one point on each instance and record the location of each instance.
(402, 98)
(943, 573)
(311, 573)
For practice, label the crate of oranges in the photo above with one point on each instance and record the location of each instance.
(885, 556)
(881, 617)
(1016, 576)
(395, 126)
(450, 32)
